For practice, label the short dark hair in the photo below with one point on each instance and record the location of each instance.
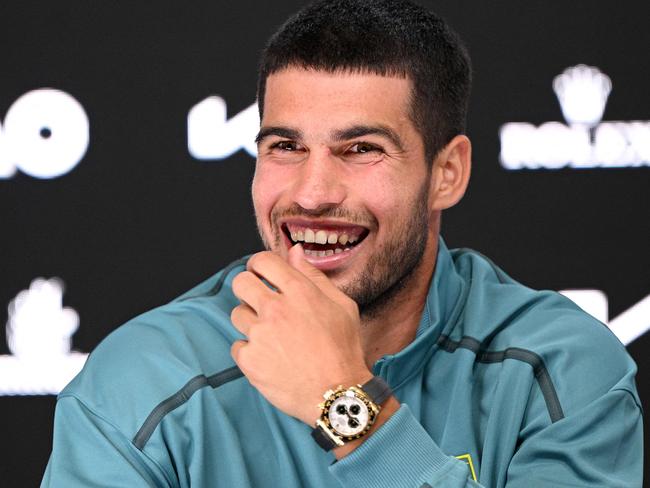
(384, 37)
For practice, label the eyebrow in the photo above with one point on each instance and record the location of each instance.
(365, 130)
(277, 131)
(338, 135)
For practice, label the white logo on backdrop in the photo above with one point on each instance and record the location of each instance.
(582, 92)
(45, 135)
(39, 332)
(39, 336)
(211, 135)
(628, 326)
(585, 142)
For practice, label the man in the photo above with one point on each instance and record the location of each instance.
(463, 376)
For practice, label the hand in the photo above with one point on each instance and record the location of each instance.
(303, 337)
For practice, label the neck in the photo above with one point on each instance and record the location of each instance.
(391, 329)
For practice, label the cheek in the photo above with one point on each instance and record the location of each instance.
(393, 201)
(383, 197)
(265, 191)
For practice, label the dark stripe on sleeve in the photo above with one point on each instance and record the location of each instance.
(179, 398)
(536, 362)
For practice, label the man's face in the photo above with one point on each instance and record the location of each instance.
(341, 169)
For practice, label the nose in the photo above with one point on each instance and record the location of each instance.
(320, 183)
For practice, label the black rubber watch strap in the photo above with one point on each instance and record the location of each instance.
(322, 439)
(377, 389)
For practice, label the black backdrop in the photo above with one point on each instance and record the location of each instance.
(139, 220)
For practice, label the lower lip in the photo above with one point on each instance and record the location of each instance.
(327, 263)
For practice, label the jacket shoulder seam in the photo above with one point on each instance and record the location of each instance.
(117, 429)
(630, 393)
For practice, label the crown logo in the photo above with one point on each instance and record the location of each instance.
(39, 326)
(582, 92)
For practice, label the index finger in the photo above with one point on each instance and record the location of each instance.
(271, 267)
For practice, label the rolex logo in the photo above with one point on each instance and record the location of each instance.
(582, 92)
(585, 140)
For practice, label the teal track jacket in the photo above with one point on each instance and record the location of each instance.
(511, 386)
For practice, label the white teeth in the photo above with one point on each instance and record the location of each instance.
(329, 252)
(321, 254)
(321, 237)
(347, 249)
(338, 250)
(307, 252)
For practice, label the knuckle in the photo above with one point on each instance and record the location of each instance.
(247, 362)
(240, 354)
(258, 259)
(252, 261)
(235, 351)
(254, 334)
(236, 315)
(238, 282)
(352, 306)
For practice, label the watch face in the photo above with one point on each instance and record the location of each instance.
(348, 415)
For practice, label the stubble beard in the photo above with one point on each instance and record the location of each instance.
(391, 268)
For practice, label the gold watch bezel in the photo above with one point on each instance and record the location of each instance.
(330, 396)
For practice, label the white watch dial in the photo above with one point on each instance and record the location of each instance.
(348, 415)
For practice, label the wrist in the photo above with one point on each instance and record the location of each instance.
(389, 407)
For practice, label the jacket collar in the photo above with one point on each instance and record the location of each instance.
(441, 310)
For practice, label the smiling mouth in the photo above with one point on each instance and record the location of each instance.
(322, 241)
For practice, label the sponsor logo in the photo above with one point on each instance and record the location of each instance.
(39, 332)
(45, 134)
(467, 459)
(584, 141)
(40, 329)
(211, 135)
(628, 326)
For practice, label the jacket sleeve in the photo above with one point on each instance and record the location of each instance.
(601, 445)
(401, 454)
(89, 451)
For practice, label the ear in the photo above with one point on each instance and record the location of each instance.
(450, 173)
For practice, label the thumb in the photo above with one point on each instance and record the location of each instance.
(316, 276)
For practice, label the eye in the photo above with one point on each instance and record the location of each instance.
(289, 146)
(363, 153)
(365, 147)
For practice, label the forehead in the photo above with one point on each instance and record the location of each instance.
(301, 97)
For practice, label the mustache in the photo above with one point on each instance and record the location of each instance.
(365, 219)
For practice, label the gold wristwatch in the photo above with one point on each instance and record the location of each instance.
(349, 413)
